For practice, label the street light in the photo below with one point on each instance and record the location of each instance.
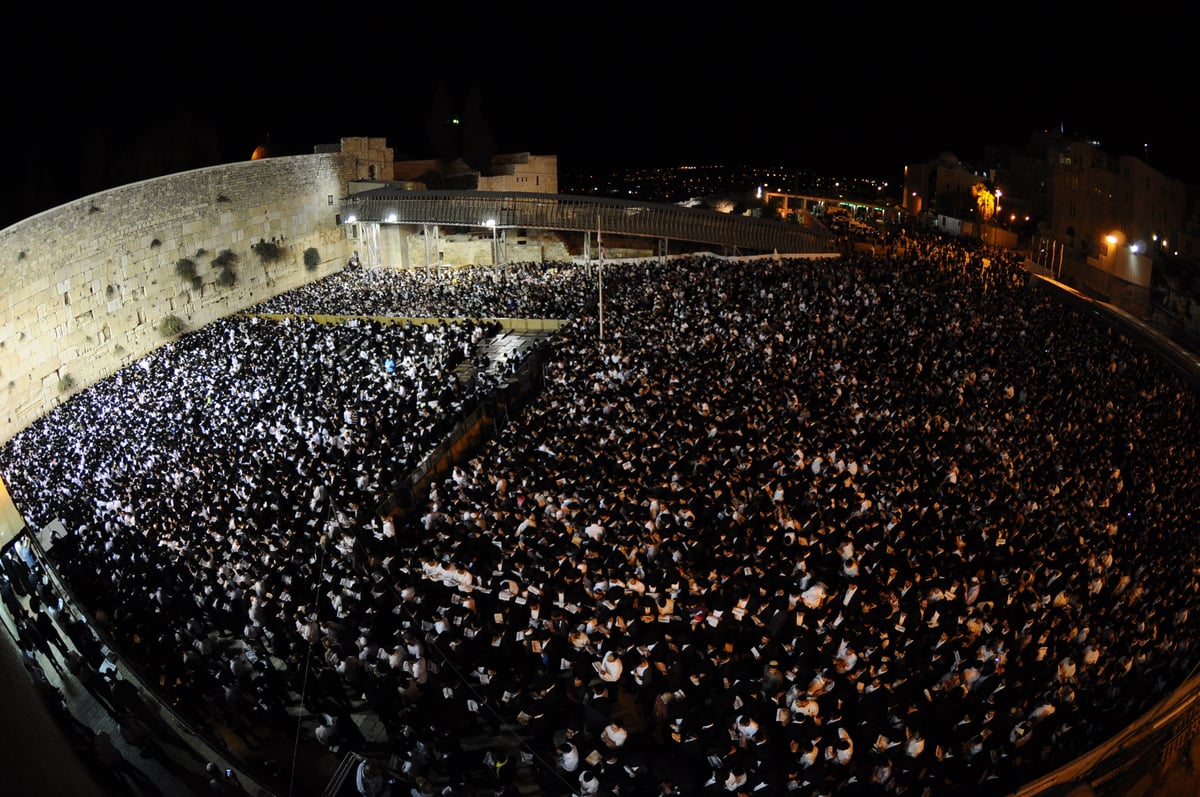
(492, 223)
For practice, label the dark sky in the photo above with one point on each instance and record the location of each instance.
(105, 95)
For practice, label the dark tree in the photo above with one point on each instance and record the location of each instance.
(442, 126)
(478, 144)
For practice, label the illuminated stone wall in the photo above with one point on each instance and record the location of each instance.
(404, 246)
(522, 173)
(86, 285)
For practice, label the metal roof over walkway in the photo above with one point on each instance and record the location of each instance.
(566, 213)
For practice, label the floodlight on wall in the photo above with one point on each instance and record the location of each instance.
(392, 218)
(351, 219)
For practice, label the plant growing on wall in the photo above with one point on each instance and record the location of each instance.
(185, 267)
(267, 251)
(170, 326)
(312, 258)
(65, 383)
(225, 262)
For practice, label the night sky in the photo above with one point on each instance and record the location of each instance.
(103, 97)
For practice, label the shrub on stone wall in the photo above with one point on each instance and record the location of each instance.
(267, 251)
(65, 383)
(170, 326)
(226, 259)
(185, 267)
(224, 262)
(312, 258)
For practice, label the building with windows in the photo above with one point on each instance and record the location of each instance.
(1093, 219)
(514, 172)
(1116, 215)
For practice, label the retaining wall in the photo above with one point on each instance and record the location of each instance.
(86, 285)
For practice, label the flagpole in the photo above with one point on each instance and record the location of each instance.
(600, 247)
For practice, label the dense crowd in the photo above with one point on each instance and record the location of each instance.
(517, 290)
(875, 524)
(199, 480)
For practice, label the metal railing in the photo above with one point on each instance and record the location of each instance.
(1135, 761)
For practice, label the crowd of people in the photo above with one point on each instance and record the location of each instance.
(894, 524)
(518, 290)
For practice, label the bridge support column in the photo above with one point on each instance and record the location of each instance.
(369, 233)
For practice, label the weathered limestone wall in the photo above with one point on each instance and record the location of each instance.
(86, 285)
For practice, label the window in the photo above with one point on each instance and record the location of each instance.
(330, 200)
